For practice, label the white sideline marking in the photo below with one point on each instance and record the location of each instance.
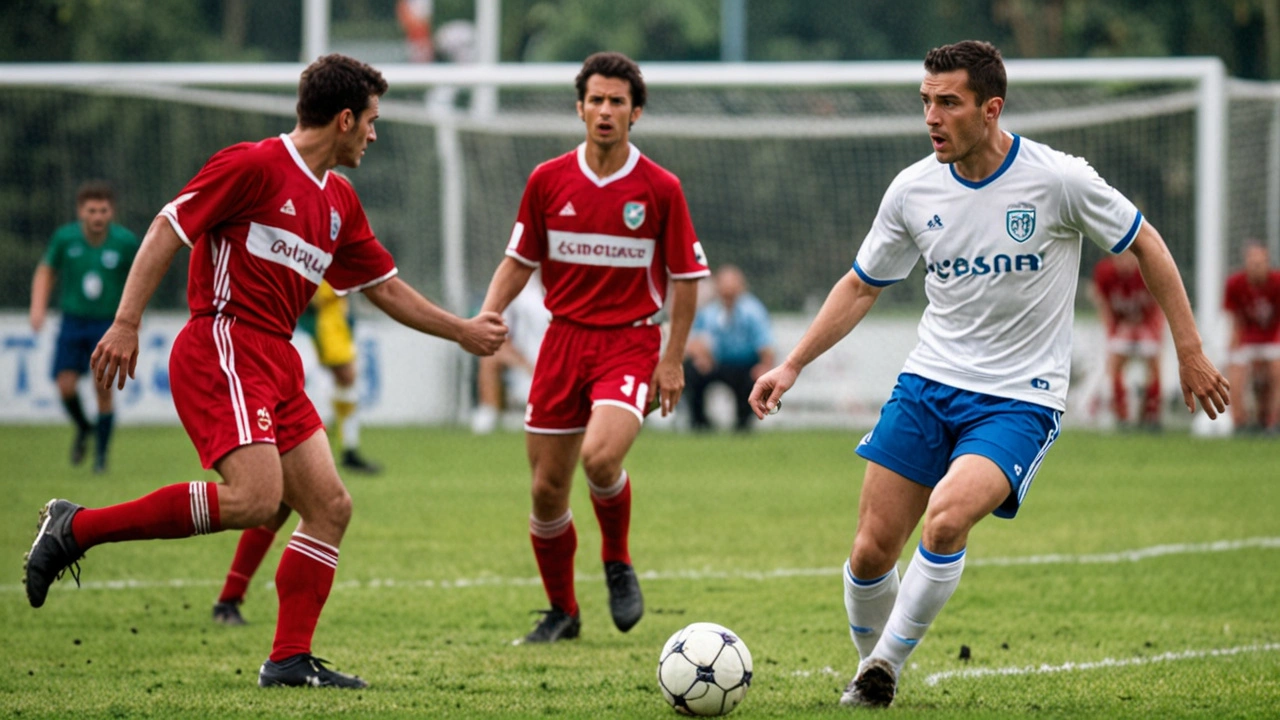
(938, 677)
(1123, 556)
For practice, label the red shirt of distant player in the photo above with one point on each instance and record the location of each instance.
(1126, 296)
(265, 231)
(1255, 307)
(606, 245)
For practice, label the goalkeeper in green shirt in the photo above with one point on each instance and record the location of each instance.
(92, 257)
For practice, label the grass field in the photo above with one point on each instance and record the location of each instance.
(1107, 597)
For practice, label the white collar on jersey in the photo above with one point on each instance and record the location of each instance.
(633, 157)
(293, 152)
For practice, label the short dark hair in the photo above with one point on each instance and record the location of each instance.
(981, 59)
(612, 65)
(335, 83)
(95, 190)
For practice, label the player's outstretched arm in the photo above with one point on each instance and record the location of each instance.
(1200, 379)
(845, 306)
(117, 352)
(508, 280)
(481, 335)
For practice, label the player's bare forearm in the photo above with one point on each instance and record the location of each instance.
(41, 287)
(116, 355)
(684, 304)
(481, 335)
(407, 306)
(1161, 276)
(845, 306)
(509, 279)
(1199, 378)
(154, 257)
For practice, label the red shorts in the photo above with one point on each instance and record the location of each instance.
(580, 367)
(233, 386)
(1140, 340)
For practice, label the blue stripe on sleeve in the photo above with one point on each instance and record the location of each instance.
(1128, 237)
(870, 280)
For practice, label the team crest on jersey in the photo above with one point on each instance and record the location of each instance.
(264, 419)
(1020, 221)
(110, 259)
(335, 224)
(633, 215)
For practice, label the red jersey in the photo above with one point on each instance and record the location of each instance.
(265, 231)
(1125, 294)
(1255, 307)
(607, 246)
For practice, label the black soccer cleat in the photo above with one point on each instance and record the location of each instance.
(554, 626)
(352, 460)
(873, 687)
(306, 670)
(626, 603)
(228, 613)
(80, 445)
(52, 552)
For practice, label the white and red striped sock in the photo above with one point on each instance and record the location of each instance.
(173, 511)
(303, 581)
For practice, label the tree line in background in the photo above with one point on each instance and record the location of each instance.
(1244, 33)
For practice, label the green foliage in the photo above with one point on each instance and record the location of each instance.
(709, 512)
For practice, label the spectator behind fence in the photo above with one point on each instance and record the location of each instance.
(731, 343)
(1253, 299)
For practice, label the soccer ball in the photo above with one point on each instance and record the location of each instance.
(704, 669)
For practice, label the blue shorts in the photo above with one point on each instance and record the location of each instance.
(76, 340)
(926, 425)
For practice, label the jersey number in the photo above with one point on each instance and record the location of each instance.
(629, 384)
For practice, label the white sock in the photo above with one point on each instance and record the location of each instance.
(868, 603)
(926, 586)
(349, 426)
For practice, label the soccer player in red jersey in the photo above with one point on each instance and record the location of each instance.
(1253, 299)
(609, 228)
(1135, 330)
(266, 222)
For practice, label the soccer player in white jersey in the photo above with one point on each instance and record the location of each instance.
(998, 220)
(609, 228)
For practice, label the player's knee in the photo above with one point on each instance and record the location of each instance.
(945, 530)
(548, 495)
(601, 468)
(338, 508)
(872, 556)
(261, 507)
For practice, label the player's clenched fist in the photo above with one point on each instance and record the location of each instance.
(483, 334)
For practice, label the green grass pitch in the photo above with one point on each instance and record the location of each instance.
(437, 578)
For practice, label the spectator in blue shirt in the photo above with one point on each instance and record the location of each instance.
(730, 343)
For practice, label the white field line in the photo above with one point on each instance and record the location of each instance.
(1124, 556)
(938, 677)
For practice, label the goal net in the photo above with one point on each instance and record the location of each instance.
(783, 170)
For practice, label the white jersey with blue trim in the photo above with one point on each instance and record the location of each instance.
(1002, 259)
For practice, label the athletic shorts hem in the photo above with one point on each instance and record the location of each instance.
(553, 431)
(220, 452)
(625, 406)
(915, 474)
